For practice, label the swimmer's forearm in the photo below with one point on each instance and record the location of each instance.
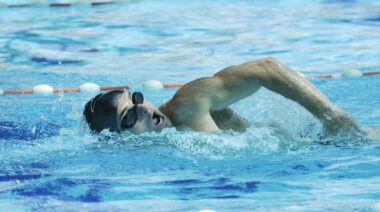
(281, 79)
(270, 73)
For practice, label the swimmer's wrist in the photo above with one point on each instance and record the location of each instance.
(328, 113)
(337, 121)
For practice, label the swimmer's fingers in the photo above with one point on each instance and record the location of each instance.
(373, 134)
(342, 123)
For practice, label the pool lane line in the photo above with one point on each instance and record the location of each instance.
(18, 92)
(101, 3)
(173, 85)
(320, 76)
(331, 76)
(19, 5)
(58, 4)
(114, 88)
(371, 73)
(67, 90)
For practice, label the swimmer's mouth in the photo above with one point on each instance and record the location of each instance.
(157, 119)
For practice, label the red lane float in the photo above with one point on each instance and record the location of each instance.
(320, 76)
(20, 91)
(173, 85)
(371, 73)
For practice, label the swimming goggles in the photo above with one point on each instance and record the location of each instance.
(130, 118)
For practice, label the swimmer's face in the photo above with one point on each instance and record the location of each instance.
(149, 118)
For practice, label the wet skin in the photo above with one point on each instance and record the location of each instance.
(149, 118)
(202, 104)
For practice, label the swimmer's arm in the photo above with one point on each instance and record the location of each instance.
(195, 100)
(279, 78)
(227, 119)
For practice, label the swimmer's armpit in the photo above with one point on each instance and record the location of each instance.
(227, 119)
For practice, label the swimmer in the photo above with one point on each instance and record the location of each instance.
(203, 104)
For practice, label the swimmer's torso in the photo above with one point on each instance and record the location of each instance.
(202, 105)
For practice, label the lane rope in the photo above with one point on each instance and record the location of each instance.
(92, 87)
(43, 3)
(331, 76)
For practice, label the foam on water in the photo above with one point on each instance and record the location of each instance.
(50, 160)
(280, 127)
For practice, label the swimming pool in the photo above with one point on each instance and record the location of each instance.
(49, 161)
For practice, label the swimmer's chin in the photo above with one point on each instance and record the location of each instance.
(166, 123)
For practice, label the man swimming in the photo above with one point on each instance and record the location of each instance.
(202, 104)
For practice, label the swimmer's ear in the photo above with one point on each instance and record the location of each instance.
(93, 102)
(89, 108)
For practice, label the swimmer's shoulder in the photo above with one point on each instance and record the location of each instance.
(180, 109)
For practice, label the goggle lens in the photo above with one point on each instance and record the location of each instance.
(130, 118)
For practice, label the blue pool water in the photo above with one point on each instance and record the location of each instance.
(49, 161)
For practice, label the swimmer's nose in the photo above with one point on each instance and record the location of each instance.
(142, 111)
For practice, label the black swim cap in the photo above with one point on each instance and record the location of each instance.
(101, 111)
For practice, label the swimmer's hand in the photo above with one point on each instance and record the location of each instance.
(340, 122)
(373, 134)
